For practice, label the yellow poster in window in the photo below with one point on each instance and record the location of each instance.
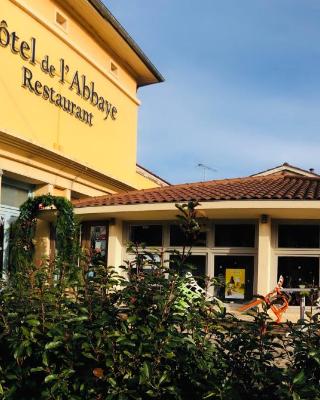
(235, 283)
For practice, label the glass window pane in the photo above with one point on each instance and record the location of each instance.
(198, 264)
(235, 275)
(303, 236)
(299, 271)
(177, 238)
(150, 235)
(13, 196)
(234, 235)
(98, 244)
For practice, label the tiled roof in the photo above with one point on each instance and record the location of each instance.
(271, 187)
(288, 169)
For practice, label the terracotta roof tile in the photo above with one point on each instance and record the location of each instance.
(278, 187)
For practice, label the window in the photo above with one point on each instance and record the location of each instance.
(299, 272)
(177, 238)
(150, 235)
(61, 21)
(196, 265)
(13, 193)
(298, 236)
(235, 275)
(146, 264)
(234, 235)
(98, 236)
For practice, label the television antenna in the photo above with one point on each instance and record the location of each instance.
(205, 169)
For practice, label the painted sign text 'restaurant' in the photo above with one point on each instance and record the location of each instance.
(79, 83)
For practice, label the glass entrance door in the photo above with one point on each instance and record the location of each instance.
(95, 241)
(235, 274)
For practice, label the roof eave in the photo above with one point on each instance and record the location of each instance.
(107, 15)
(278, 209)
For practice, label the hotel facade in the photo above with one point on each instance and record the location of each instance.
(68, 126)
(69, 108)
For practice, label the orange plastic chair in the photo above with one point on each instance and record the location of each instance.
(270, 299)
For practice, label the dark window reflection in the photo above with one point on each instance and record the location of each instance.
(150, 235)
(297, 272)
(177, 238)
(234, 235)
(303, 236)
(198, 264)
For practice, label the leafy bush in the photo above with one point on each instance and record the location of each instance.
(85, 332)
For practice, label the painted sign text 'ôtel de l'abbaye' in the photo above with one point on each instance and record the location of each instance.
(79, 82)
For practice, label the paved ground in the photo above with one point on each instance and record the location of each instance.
(292, 314)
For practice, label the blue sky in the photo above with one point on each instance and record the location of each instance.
(242, 90)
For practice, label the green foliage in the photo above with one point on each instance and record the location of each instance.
(78, 331)
(23, 231)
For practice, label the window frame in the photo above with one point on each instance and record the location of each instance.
(237, 222)
(209, 251)
(85, 239)
(13, 183)
(289, 251)
(298, 256)
(275, 234)
(203, 229)
(254, 270)
(128, 225)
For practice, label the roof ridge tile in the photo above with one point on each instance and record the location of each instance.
(257, 187)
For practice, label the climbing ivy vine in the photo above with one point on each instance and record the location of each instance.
(22, 243)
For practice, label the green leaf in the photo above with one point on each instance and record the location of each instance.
(146, 370)
(299, 378)
(19, 351)
(53, 345)
(109, 363)
(295, 396)
(51, 378)
(11, 377)
(209, 395)
(33, 322)
(315, 355)
(163, 378)
(88, 355)
(37, 369)
(45, 359)
(25, 332)
(77, 336)
(112, 382)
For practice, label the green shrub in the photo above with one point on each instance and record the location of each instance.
(86, 339)
(71, 331)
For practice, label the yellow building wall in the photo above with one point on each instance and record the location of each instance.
(108, 145)
(143, 182)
